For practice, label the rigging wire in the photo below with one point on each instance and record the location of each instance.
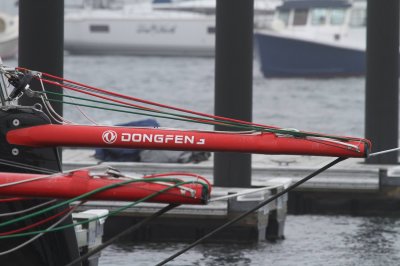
(2, 200)
(383, 152)
(214, 120)
(32, 225)
(313, 138)
(203, 117)
(92, 219)
(26, 166)
(258, 206)
(176, 182)
(28, 209)
(114, 94)
(54, 174)
(2, 253)
(245, 192)
(50, 109)
(173, 116)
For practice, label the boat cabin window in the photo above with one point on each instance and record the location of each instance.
(337, 16)
(283, 16)
(99, 28)
(211, 30)
(318, 16)
(300, 17)
(358, 18)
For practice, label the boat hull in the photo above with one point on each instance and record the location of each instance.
(164, 37)
(284, 56)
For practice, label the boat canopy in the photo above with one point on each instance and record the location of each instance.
(305, 4)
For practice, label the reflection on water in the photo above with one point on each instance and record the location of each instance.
(376, 240)
(309, 240)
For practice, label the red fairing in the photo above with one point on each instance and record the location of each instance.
(80, 182)
(153, 138)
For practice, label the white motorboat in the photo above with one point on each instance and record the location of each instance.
(179, 28)
(138, 30)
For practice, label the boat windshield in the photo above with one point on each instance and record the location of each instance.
(319, 16)
(283, 16)
(322, 16)
(358, 17)
(338, 16)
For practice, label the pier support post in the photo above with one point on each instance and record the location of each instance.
(41, 39)
(382, 80)
(41, 42)
(233, 83)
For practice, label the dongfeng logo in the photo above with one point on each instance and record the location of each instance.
(109, 136)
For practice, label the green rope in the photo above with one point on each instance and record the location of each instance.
(85, 195)
(102, 216)
(187, 118)
(193, 119)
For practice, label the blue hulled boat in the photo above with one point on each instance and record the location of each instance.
(314, 38)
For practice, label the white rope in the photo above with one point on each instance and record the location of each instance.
(29, 209)
(26, 166)
(48, 176)
(50, 108)
(249, 191)
(81, 110)
(383, 152)
(40, 234)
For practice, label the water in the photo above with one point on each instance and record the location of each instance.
(309, 240)
(324, 105)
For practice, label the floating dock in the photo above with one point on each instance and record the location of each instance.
(351, 187)
(189, 222)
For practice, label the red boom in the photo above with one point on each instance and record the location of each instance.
(80, 182)
(152, 138)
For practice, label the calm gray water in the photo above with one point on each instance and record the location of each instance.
(310, 240)
(323, 105)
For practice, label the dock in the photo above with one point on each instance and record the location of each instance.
(352, 187)
(189, 222)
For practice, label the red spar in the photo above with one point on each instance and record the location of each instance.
(154, 138)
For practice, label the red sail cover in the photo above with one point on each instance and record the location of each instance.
(156, 138)
(80, 182)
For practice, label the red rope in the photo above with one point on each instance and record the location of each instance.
(36, 224)
(181, 174)
(168, 106)
(12, 199)
(123, 102)
(115, 94)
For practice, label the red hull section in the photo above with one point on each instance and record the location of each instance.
(153, 138)
(80, 182)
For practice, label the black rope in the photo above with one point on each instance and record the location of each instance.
(123, 233)
(260, 205)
